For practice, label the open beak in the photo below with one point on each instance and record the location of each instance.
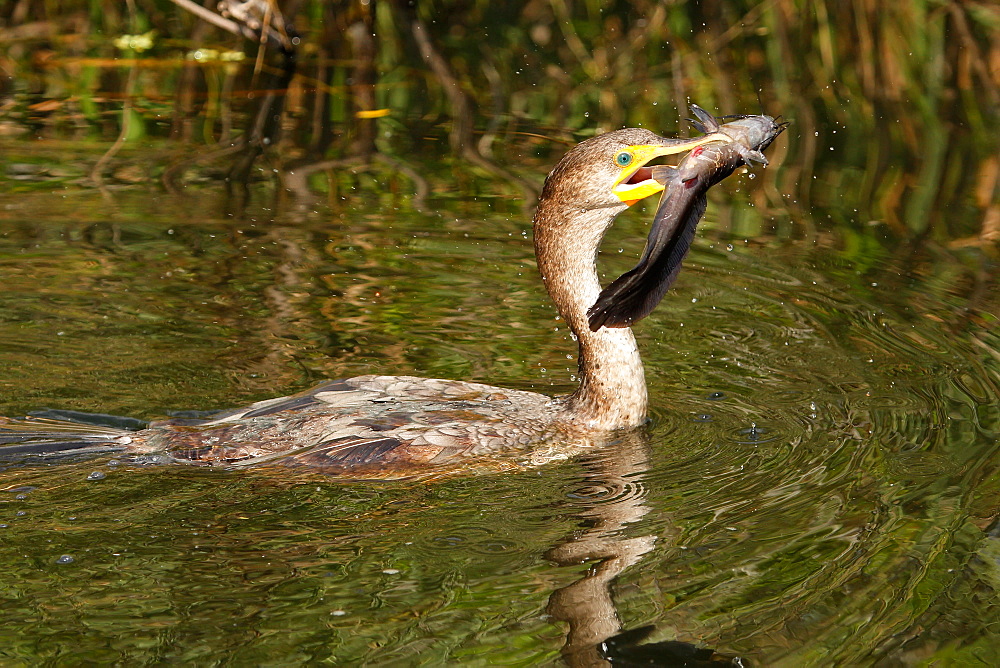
(635, 181)
(634, 294)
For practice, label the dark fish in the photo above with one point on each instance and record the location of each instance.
(634, 294)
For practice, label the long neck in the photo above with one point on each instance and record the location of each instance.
(612, 392)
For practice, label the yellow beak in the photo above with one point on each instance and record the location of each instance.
(633, 184)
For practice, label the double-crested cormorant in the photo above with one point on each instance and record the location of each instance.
(394, 426)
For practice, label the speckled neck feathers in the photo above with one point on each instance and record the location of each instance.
(574, 212)
(612, 390)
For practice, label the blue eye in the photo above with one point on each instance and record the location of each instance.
(623, 159)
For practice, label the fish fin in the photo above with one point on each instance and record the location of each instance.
(705, 122)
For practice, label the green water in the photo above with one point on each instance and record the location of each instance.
(816, 483)
(819, 481)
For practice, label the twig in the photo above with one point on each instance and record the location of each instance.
(95, 173)
(236, 28)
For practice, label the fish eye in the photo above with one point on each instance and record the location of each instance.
(623, 159)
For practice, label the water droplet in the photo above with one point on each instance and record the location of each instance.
(729, 247)
(97, 475)
(65, 559)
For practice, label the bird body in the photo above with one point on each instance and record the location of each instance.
(374, 426)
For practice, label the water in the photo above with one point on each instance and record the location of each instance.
(818, 483)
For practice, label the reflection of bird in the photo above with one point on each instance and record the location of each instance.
(399, 425)
(624, 650)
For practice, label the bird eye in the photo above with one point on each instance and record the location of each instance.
(623, 159)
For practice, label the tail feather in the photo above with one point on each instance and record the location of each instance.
(37, 435)
(95, 419)
(55, 447)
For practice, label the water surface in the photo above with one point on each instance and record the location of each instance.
(819, 478)
(818, 483)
